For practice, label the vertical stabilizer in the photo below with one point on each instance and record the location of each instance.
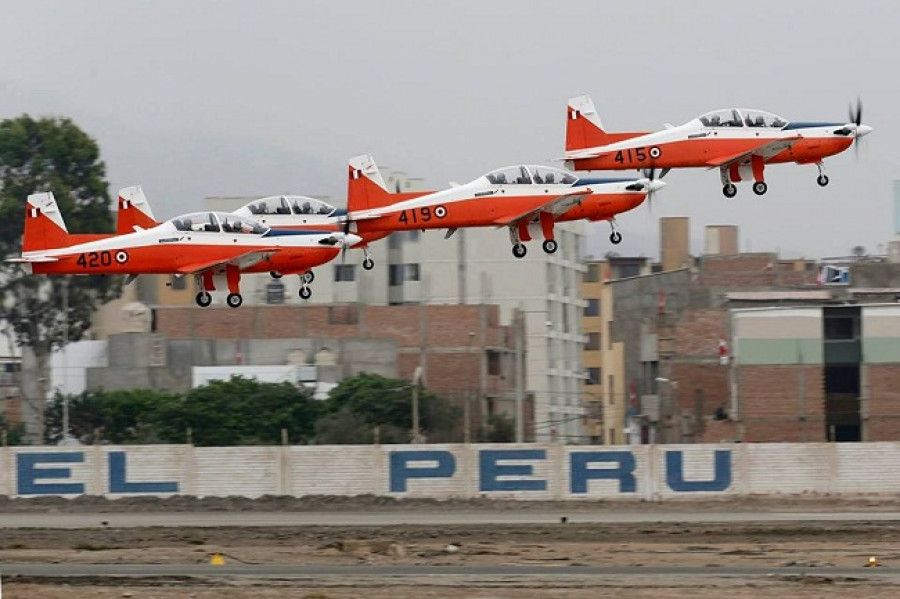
(44, 225)
(134, 211)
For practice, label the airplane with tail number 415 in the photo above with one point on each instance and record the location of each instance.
(203, 245)
(739, 142)
(527, 199)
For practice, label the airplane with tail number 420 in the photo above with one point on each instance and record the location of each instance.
(203, 244)
(527, 199)
(740, 142)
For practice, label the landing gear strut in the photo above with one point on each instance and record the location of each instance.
(615, 237)
(822, 179)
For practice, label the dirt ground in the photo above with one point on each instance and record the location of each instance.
(801, 544)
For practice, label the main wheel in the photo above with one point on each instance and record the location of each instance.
(305, 293)
(760, 187)
(615, 237)
(368, 264)
(822, 180)
(550, 245)
(730, 190)
(275, 274)
(308, 277)
(234, 300)
(204, 299)
(519, 250)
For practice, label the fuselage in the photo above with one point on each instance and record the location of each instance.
(696, 145)
(165, 250)
(485, 204)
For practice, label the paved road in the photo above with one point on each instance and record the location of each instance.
(424, 518)
(363, 571)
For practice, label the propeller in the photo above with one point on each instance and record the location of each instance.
(854, 126)
(653, 183)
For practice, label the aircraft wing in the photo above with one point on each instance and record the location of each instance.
(245, 260)
(32, 259)
(766, 149)
(555, 206)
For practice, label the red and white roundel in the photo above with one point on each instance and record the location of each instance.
(121, 256)
(655, 152)
(440, 211)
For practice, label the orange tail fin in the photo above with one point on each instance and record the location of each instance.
(584, 129)
(134, 211)
(44, 225)
(366, 188)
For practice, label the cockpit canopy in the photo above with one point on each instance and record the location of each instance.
(287, 205)
(528, 174)
(215, 222)
(742, 117)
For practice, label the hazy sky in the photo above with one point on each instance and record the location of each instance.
(201, 98)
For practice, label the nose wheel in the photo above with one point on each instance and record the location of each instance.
(204, 299)
(368, 264)
(550, 246)
(305, 293)
(234, 300)
(760, 187)
(519, 250)
(615, 238)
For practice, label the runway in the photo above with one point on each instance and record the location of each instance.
(365, 571)
(434, 517)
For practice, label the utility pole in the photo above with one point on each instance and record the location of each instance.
(520, 377)
(416, 382)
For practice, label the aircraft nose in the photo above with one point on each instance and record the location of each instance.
(351, 240)
(656, 185)
(862, 130)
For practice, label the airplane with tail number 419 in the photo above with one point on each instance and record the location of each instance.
(527, 199)
(740, 142)
(203, 244)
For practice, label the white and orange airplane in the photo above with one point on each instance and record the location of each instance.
(203, 244)
(527, 199)
(740, 142)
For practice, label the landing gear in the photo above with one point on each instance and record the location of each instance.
(615, 237)
(822, 179)
(204, 299)
(368, 263)
(234, 300)
(305, 292)
(730, 190)
(275, 274)
(308, 277)
(550, 246)
(760, 187)
(519, 250)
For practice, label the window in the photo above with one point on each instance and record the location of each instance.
(629, 270)
(593, 342)
(344, 272)
(275, 292)
(593, 376)
(493, 362)
(592, 308)
(593, 273)
(398, 273)
(842, 327)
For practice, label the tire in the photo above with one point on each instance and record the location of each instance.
(368, 264)
(550, 246)
(822, 180)
(275, 274)
(729, 190)
(234, 300)
(615, 238)
(204, 299)
(305, 293)
(519, 250)
(760, 188)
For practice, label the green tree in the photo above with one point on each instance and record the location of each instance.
(376, 401)
(239, 411)
(121, 417)
(50, 154)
